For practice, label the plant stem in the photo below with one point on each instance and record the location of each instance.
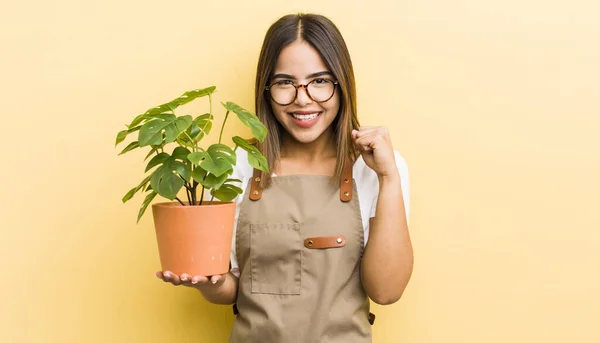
(202, 196)
(194, 147)
(180, 201)
(187, 192)
(223, 126)
(194, 195)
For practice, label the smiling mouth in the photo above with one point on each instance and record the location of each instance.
(305, 117)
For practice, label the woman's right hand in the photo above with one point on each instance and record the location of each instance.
(198, 281)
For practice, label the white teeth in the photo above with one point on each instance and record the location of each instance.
(305, 116)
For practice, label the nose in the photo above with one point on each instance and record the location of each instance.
(302, 98)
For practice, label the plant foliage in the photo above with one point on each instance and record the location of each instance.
(188, 165)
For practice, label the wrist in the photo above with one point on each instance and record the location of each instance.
(387, 179)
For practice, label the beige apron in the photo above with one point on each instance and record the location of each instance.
(299, 245)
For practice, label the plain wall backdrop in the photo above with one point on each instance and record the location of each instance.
(494, 104)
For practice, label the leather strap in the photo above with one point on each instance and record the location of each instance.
(255, 189)
(346, 182)
(325, 242)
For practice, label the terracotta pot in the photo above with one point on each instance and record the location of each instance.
(195, 240)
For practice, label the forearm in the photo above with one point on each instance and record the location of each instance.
(388, 259)
(224, 294)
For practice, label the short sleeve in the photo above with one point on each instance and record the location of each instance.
(243, 171)
(403, 170)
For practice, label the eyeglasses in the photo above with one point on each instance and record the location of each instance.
(284, 92)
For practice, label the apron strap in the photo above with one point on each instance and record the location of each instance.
(255, 189)
(346, 182)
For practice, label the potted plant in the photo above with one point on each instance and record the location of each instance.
(193, 234)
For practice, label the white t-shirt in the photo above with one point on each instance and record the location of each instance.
(367, 186)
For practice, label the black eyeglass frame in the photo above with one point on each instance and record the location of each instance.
(305, 86)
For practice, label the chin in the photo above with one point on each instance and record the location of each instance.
(307, 137)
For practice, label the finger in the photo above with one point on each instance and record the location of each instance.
(368, 129)
(216, 278)
(199, 279)
(172, 277)
(365, 143)
(185, 278)
(372, 138)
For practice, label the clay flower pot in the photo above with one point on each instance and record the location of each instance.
(195, 240)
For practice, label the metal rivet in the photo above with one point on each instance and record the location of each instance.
(310, 243)
(255, 192)
(346, 180)
(346, 194)
(339, 240)
(257, 179)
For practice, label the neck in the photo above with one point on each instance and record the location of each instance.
(320, 149)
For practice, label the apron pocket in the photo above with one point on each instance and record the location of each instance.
(276, 258)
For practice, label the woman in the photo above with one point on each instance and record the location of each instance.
(327, 230)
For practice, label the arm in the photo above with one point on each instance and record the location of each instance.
(388, 259)
(387, 263)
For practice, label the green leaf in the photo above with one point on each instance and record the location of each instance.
(165, 182)
(164, 108)
(255, 158)
(259, 131)
(145, 204)
(208, 180)
(156, 160)
(204, 125)
(151, 133)
(212, 181)
(218, 159)
(131, 146)
(137, 120)
(198, 174)
(190, 96)
(226, 192)
(181, 124)
(172, 105)
(181, 153)
(156, 112)
(135, 189)
(168, 179)
(121, 137)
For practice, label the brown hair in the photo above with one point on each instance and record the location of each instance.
(323, 36)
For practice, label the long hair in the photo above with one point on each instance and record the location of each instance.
(323, 36)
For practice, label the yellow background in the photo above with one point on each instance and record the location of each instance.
(494, 105)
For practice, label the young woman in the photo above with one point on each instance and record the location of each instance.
(327, 230)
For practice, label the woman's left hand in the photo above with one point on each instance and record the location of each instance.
(375, 146)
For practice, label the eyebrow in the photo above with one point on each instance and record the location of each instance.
(287, 76)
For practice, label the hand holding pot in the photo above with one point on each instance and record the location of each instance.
(197, 281)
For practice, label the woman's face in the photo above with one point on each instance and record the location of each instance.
(304, 119)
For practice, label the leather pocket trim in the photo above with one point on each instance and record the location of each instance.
(325, 242)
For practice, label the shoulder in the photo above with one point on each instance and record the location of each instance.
(242, 171)
(242, 168)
